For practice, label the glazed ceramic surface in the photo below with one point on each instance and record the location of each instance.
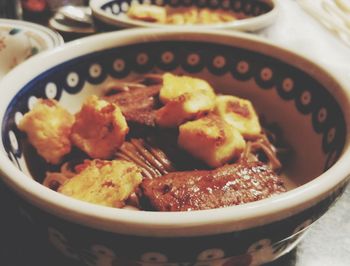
(20, 40)
(111, 14)
(300, 98)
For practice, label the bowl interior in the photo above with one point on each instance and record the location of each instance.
(114, 12)
(282, 87)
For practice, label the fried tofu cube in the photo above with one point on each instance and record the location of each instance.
(176, 19)
(99, 129)
(211, 140)
(239, 113)
(48, 126)
(175, 86)
(151, 13)
(184, 98)
(107, 183)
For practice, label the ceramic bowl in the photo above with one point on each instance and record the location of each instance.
(20, 40)
(306, 101)
(111, 14)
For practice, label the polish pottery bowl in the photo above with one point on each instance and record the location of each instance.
(306, 101)
(252, 15)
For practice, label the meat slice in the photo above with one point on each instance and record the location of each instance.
(198, 190)
(138, 105)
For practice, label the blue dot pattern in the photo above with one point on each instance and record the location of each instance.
(291, 84)
(249, 8)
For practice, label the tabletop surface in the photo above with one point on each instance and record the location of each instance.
(328, 240)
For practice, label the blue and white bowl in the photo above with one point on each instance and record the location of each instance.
(305, 100)
(111, 14)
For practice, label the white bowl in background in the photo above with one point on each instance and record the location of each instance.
(111, 14)
(20, 40)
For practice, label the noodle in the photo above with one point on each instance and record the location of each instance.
(155, 150)
(261, 144)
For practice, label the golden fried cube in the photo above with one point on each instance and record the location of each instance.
(177, 19)
(100, 128)
(240, 113)
(185, 98)
(48, 127)
(151, 13)
(211, 139)
(102, 182)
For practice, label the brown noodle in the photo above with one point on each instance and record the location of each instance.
(152, 160)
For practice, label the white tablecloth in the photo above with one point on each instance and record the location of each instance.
(299, 31)
(328, 241)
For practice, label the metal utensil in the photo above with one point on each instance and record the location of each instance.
(80, 14)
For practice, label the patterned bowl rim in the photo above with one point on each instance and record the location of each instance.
(145, 223)
(248, 24)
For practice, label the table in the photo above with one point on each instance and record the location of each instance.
(326, 243)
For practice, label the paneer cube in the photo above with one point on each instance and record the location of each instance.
(174, 86)
(100, 128)
(48, 126)
(211, 140)
(150, 13)
(102, 182)
(239, 113)
(184, 98)
(176, 19)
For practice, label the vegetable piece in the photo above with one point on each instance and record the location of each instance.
(151, 13)
(239, 113)
(212, 140)
(185, 98)
(107, 183)
(48, 126)
(100, 128)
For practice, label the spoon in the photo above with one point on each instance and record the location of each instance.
(81, 14)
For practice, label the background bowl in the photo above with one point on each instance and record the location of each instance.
(304, 100)
(111, 14)
(20, 40)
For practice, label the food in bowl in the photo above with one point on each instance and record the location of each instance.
(180, 16)
(238, 14)
(133, 139)
(305, 102)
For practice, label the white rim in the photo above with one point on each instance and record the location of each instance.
(248, 24)
(157, 223)
(53, 38)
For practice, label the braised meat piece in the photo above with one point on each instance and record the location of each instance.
(138, 105)
(198, 190)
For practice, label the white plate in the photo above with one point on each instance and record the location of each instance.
(113, 13)
(21, 40)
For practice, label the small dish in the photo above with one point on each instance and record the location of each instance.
(20, 40)
(111, 14)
